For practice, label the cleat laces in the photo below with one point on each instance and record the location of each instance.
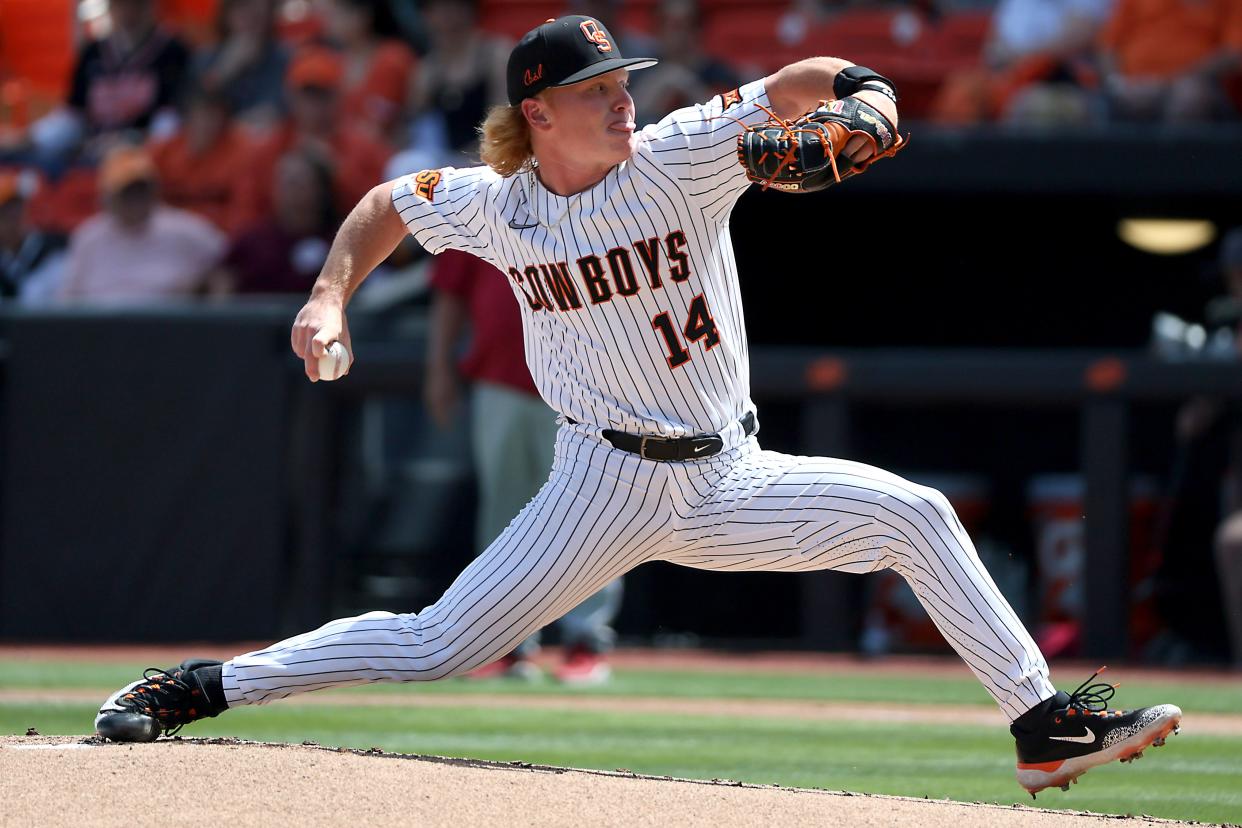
(165, 698)
(1092, 699)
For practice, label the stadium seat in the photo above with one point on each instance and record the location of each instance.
(893, 43)
(748, 35)
(957, 42)
(194, 20)
(36, 45)
(513, 18)
(61, 204)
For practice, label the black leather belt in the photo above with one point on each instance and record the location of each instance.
(674, 449)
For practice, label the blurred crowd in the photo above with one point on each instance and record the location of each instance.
(176, 167)
(212, 146)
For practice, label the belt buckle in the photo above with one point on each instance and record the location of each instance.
(652, 439)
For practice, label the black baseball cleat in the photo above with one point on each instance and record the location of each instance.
(1073, 732)
(162, 701)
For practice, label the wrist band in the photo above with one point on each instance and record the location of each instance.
(883, 88)
(853, 78)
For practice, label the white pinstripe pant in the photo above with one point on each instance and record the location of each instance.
(604, 511)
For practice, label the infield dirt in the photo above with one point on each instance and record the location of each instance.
(68, 780)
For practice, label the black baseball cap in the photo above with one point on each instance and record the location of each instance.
(563, 51)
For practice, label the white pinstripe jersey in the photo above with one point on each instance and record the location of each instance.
(632, 316)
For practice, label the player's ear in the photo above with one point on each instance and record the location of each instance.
(538, 113)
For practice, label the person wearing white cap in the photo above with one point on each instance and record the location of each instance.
(137, 249)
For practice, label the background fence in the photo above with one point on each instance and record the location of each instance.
(175, 461)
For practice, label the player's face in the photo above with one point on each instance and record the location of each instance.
(595, 118)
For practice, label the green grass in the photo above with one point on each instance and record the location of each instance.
(1197, 776)
(1203, 697)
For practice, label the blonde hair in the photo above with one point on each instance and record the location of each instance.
(504, 141)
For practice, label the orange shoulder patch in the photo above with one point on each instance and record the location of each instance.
(425, 184)
(731, 98)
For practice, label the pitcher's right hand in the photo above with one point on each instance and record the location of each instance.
(320, 323)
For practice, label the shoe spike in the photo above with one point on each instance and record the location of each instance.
(1158, 743)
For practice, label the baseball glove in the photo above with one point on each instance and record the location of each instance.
(808, 154)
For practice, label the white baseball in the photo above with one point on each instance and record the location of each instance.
(334, 362)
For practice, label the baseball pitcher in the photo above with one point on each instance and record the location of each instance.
(615, 242)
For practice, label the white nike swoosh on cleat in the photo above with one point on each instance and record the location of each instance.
(110, 704)
(1087, 738)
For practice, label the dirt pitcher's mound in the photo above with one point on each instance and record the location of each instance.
(77, 781)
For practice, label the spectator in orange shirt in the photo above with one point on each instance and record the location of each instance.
(377, 66)
(202, 164)
(316, 125)
(1166, 59)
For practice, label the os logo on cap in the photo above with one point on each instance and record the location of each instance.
(596, 35)
(561, 52)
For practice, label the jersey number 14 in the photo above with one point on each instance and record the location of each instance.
(699, 325)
